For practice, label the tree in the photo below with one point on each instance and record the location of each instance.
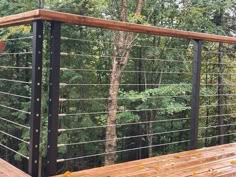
(123, 43)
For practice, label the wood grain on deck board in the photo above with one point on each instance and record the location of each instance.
(214, 161)
(8, 170)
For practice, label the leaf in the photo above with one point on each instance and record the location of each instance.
(67, 174)
(141, 167)
(233, 162)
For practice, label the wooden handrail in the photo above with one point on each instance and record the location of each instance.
(22, 18)
(48, 15)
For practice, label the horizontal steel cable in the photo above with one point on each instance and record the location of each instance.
(19, 38)
(119, 151)
(12, 136)
(15, 123)
(11, 108)
(217, 136)
(143, 122)
(6, 147)
(15, 53)
(131, 58)
(213, 63)
(122, 138)
(125, 71)
(141, 97)
(14, 67)
(15, 81)
(122, 124)
(213, 105)
(217, 126)
(233, 113)
(140, 110)
(134, 45)
(123, 98)
(145, 46)
(135, 110)
(96, 84)
(15, 95)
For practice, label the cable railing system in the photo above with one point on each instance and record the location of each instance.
(13, 93)
(20, 87)
(168, 98)
(171, 127)
(15, 69)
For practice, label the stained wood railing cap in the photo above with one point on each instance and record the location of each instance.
(48, 15)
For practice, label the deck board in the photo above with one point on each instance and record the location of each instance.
(8, 170)
(214, 161)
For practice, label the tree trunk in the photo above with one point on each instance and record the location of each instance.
(111, 118)
(120, 58)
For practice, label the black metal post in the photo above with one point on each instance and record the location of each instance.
(53, 106)
(35, 118)
(195, 93)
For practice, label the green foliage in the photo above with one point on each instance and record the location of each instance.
(165, 99)
(13, 7)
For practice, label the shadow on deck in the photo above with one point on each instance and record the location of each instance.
(214, 161)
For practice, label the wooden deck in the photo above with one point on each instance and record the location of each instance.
(8, 170)
(217, 161)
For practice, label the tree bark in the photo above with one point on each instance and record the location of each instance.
(120, 58)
